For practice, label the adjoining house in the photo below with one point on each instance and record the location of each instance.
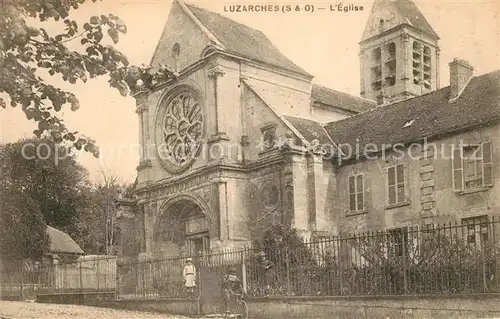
(243, 138)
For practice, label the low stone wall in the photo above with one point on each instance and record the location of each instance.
(76, 298)
(364, 307)
(432, 306)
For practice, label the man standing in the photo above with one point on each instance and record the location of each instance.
(189, 274)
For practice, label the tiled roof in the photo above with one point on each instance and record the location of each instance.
(424, 116)
(413, 16)
(310, 130)
(60, 242)
(243, 40)
(340, 100)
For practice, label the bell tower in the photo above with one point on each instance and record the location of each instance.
(399, 53)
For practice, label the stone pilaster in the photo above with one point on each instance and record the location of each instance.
(405, 61)
(436, 71)
(320, 189)
(223, 212)
(245, 140)
(218, 143)
(311, 192)
(296, 190)
(141, 110)
(362, 67)
(125, 216)
(214, 74)
(144, 149)
(427, 183)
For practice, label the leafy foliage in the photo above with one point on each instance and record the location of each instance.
(282, 254)
(411, 262)
(23, 232)
(51, 177)
(26, 49)
(41, 188)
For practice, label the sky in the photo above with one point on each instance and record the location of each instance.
(323, 43)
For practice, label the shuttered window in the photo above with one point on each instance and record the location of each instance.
(356, 193)
(472, 166)
(487, 164)
(396, 184)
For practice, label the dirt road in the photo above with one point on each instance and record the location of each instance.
(32, 310)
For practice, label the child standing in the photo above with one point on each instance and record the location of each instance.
(189, 274)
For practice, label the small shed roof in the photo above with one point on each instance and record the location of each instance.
(62, 243)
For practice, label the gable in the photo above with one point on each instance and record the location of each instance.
(258, 114)
(284, 100)
(243, 40)
(181, 29)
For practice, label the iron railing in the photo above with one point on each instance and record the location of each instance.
(452, 258)
(26, 278)
(446, 259)
(153, 278)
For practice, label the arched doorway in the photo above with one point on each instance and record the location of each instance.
(182, 229)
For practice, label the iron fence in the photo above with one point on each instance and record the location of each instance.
(153, 278)
(452, 258)
(433, 259)
(27, 278)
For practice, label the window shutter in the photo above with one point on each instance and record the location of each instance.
(457, 170)
(400, 177)
(487, 164)
(359, 192)
(391, 176)
(352, 194)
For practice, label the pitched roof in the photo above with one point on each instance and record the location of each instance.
(60, 242)
(406, 13)
(310, 130)
(413, 16)
(243, 40)
(340, 100)
(424, 116)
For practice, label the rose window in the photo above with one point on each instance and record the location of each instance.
(181, 130)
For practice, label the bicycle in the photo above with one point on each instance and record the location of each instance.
(195, 297)
(242, 305)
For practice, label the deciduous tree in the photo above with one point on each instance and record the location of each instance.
(49, 176)
(26, 49)
(23, 229)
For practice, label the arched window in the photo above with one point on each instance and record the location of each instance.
(376, 69)
(176, 50)
(390, 65)
(422, 65)
(427, 67)
(417, 63)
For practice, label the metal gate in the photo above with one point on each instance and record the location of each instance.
(211, 278)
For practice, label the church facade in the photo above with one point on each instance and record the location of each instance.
(243, 139)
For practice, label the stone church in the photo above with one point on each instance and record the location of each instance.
(243, 139)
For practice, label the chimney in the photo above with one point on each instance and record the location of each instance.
(461, 73)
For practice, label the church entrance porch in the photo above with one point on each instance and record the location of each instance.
(181, 230)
